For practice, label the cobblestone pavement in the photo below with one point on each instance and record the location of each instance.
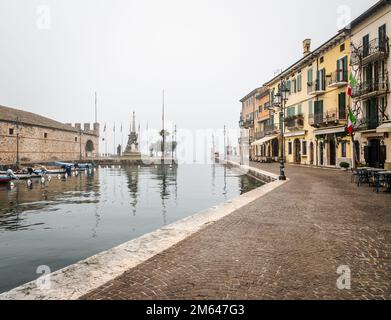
(285, 245)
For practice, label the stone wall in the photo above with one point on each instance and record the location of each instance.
(39, 144)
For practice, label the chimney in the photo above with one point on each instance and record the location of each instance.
(306, 47)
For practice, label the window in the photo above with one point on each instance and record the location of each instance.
(75, 139)
(299, 109)
(343, 149)
(299, 80)
(342, 47)
(304, 148)
(383, 37)
(291, 111)
(365, 45)
(342, 105)
(289, 147)
(342, 70)
(294, 86)
(289, 85)
(309, 77)
(45, 135)
(310, 108)
(321, 59)
(11, 131)
(321, 81)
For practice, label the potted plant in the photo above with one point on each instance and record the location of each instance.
(344, 165)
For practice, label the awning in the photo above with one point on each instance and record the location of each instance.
(385, 127)
(330, 131)
(264, 140)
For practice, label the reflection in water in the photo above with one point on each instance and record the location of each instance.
(64, 221)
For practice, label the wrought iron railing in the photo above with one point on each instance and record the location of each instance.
(315, 87)
(294, 123)
(367, 87)
(378, 45)
(338, 76)
(326, 117)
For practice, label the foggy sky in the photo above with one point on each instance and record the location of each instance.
(206, 54)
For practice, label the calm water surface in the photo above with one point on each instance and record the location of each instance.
(62, 222)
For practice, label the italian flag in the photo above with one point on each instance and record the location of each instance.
(352, 83)
(351, 122)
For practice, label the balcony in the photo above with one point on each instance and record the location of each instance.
(377, 49)
(294, 122)
(369, 123)
(271, 129)
(330, 117)
(316, 88)
(338, 78)
(260, 135)
(368, 89)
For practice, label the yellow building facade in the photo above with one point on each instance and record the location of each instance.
(316, 102)
(316, 105)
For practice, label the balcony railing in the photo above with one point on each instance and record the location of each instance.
(368, 88)
(316, 87)
(269, 129)
(330, 116)
(369, 123)
(246, 124)
(338, 78)
(295, 122)
(373, 50)
(260, 135)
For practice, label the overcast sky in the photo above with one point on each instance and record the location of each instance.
(207, 54)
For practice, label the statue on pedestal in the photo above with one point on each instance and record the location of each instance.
(131, 150)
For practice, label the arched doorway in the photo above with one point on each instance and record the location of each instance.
(297, 151)
(89, 148)
(321, 158)
(332, 152)
(311, 153)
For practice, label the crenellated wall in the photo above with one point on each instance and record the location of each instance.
(39, 144)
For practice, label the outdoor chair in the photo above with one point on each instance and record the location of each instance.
(379, 181)
(354, 176)
(363, 177)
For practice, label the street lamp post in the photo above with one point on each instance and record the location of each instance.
(281, 103)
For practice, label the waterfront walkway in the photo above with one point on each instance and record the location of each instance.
(285, 245)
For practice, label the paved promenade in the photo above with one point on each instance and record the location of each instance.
(285, 245)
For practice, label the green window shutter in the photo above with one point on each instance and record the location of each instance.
(299, 111)
(310, 107)
(299, 80)
(309, 76)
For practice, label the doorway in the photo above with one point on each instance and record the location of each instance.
(375, 154)
(321, 155)
(311, 153)
(333, 152)
(297, 151)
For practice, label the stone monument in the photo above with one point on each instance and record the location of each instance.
(132, 152)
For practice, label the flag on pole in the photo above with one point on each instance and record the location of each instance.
(351, 122)
(352, 83)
